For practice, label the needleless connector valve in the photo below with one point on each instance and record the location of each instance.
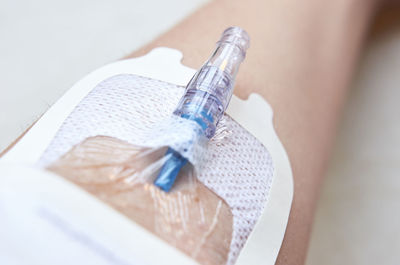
(207, 95)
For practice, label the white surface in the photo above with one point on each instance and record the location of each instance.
(36, 208)
(46, 46)
(358, 217)
(269, 230)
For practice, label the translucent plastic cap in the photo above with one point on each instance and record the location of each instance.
(236, 36)
(230, 51)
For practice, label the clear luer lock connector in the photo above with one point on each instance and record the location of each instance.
(209, 91)
(207, 95)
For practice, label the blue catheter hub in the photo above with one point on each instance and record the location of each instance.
(170, 170)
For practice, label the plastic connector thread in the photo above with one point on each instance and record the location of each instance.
(207, 96)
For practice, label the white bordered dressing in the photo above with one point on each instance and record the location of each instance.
(254, 115)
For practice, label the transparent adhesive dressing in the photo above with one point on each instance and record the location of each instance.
(155, 182)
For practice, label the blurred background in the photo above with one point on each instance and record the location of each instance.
(45, 46)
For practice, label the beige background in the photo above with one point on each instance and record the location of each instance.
(47, 45)
(358, 216)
